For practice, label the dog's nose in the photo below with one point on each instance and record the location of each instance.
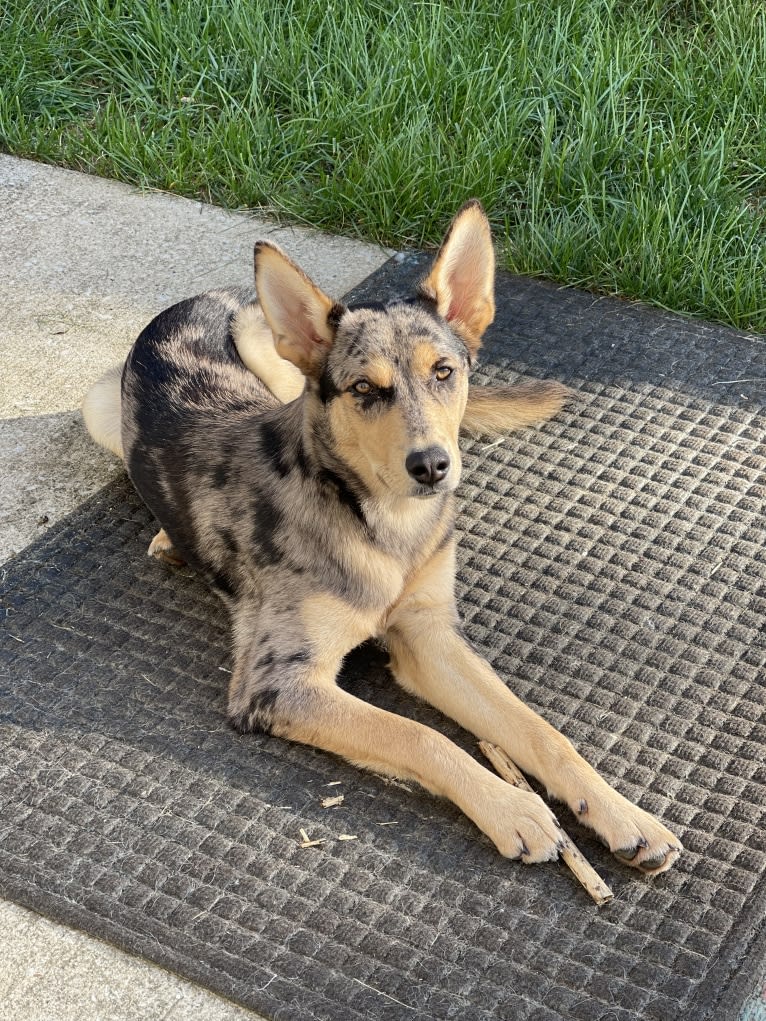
(428, 466)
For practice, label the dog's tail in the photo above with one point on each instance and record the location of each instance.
(102, 410)
(496, 410)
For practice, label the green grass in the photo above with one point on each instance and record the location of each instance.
(616, 145)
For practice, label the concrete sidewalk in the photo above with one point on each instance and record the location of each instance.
(85, 264)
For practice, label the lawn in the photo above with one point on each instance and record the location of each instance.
(617, 145)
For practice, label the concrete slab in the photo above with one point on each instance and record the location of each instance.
(85, 263)
(50, 973)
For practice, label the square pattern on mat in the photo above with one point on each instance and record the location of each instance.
(611, 570)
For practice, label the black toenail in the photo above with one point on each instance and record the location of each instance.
(583, 807)
(627, 853)
(650, 864)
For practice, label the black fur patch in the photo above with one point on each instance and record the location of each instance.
(259, 714)
(344, 492)
(220, 477)
(328, 391)
(273, 446)
(221, 580)
(267, 519)
(264, 661)
(229, 541)
(335, 314)
(381, 396)
(296, 657)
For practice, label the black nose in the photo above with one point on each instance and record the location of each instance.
(428, 466)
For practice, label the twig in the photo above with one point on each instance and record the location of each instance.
(309, 843)
(571, 856)
(332, 802)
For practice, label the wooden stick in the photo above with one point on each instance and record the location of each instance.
(571, 856)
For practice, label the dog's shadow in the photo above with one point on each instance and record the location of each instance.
(137, 654)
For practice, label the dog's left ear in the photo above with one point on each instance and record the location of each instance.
(300, 315)
(462, 278)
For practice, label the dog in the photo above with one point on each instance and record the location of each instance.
(303, 457)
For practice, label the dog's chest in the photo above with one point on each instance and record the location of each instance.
(406, 542)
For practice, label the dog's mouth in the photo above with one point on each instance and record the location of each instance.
(416, 490)
(421, 492)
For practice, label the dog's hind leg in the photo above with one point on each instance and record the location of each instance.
(290, 691)
(431, 659)
(254, 342)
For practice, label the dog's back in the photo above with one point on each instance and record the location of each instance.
(184, 390)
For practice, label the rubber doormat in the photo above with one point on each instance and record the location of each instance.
(611, 569)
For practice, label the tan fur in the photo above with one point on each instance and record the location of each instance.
(101, 411)
(496, 410)
(492, 410)
(519, 824)
(378, 448)
(254, 342)
(424, 357)
(161, 547)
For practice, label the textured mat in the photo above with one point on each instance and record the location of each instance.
(611, 568)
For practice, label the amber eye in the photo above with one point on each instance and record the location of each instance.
(362, 387)
(442, 372)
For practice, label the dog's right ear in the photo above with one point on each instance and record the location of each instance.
(301, 316)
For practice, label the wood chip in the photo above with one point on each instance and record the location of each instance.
(389, 781)
(309, 843)
(347, 836)
(332, 802)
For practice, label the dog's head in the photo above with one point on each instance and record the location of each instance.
(391, 381)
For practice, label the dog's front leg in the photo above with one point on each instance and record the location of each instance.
(292, 693)
(431, 659)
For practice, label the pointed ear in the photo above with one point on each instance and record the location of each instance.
(301, 316)
(462, 278)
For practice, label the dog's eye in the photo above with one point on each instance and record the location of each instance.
(362, 387)
(442, 372)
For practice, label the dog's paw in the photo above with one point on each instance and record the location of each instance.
(522, 826)
(634, 836)
(162, 548)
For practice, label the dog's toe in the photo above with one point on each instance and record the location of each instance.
(162, 548)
